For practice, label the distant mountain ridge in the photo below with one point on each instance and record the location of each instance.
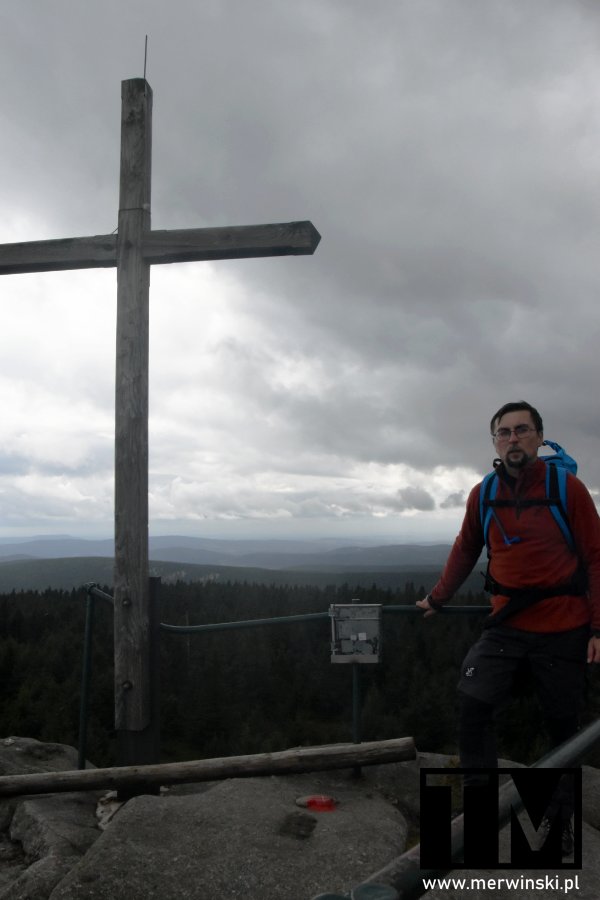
(271, 554)
(65, 562)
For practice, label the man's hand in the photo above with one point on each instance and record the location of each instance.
(424, 604)
(593, 655)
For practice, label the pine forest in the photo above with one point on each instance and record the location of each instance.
(256, 689)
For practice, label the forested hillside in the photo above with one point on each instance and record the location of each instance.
(251, 690)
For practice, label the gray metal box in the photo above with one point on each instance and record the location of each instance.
(355, 632)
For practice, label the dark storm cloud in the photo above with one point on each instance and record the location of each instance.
(447, 151)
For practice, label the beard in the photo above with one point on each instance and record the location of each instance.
(516, 459)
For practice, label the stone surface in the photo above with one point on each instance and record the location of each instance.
(244, 838)
(400, 782)
(12, 862)
(19, 755)
(43, 837)
(60, 824)
(591, 796)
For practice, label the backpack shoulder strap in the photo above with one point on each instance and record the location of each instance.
(487, 492)
(556, 492)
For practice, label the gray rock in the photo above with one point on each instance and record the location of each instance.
(12, 862)
(43, 836)
(245, 838)
(19, 755)
(38, 879)
(58, 825)
(591, 796)
(22, 756)
(400, 782)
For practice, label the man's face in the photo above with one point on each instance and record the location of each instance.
(517, 450)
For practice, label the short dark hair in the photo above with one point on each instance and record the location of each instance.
(515, 407)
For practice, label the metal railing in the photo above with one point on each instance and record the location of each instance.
(93, 592)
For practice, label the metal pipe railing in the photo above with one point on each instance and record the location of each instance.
(93, 592)
(307, 617)
(404, 874)
(248, 623)
(86, 676)
(93, 589)
(444, 611)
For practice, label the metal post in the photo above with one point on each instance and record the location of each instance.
(356, 730)
(86, 675)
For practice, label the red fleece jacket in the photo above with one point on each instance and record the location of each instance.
(542, 558)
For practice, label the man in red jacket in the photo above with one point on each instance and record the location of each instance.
(551, 592)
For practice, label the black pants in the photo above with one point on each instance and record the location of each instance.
(557, 663)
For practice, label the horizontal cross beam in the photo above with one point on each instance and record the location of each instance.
(186, 245)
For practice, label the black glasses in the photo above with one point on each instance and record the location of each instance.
(503, 434)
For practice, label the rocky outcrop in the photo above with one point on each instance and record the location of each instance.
(42, 838)
(248, 839)
(242, 838)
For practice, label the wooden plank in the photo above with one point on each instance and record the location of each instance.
(131, 608)
(238, 242)
(284, 762)
(99, 251)
(177, 245)
(143, 747)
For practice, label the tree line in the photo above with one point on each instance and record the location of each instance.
(251, 690)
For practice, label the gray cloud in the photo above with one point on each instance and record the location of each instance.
(414, 498)
(453, 501)
(447, 150)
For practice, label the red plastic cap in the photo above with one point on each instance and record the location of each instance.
(321, 803)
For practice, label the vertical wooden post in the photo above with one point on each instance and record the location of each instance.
(142, 748)
(132, 614)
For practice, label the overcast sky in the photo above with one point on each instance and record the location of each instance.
(448, 151)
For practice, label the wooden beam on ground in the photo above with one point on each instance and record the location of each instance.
(285, 762)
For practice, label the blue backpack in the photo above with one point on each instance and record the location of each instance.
(558, 465)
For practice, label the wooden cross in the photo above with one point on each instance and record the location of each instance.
(133, 250)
